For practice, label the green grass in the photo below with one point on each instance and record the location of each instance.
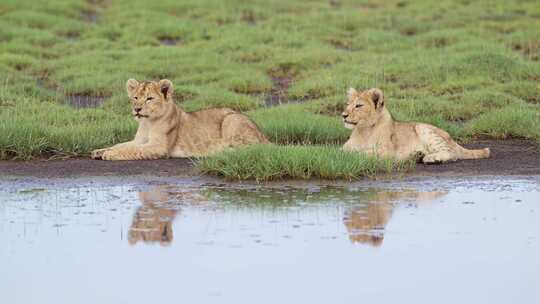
(29, 129)
(272, 162)
(469, 67)
(291, 124)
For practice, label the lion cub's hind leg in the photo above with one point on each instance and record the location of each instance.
(439, 157)
(437, 145)
(238, 130)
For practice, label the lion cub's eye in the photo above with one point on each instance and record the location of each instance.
(149, 98)
(359, 105)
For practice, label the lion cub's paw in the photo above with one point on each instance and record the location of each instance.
(440, 157)
(98, 154)
(110, 155)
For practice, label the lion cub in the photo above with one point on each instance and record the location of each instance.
(167, 131)
(376, 132)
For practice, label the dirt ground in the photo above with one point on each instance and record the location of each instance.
(509, 157)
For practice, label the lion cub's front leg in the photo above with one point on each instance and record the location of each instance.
(98, 154)
(136, 153)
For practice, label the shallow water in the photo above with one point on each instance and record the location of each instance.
(194, 241)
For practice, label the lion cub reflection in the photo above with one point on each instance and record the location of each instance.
(152, 222)
(366, 223)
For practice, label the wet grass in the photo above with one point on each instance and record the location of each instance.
(469, 67)
(272, 162)
(292, 124)
(31, 129)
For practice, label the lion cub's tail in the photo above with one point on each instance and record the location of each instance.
(475, 154)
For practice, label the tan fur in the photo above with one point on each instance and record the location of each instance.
(376, 132)
(165, 130)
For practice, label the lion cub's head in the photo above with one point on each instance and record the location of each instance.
(363, 108)
(149, 99)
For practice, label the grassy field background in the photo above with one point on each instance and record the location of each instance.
(469, 67)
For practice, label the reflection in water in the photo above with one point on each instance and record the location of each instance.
(366, 223)
(226, 235)
(365, 216)
(153, 220)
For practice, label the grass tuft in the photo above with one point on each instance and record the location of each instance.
(292, 124)
(272, 162)
(509, 122)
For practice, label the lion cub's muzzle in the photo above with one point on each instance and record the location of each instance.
(345, 115)
(137, 113)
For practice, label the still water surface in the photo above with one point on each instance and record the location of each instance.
(185, 241)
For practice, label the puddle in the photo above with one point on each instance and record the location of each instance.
(89, 16)
(77, 101)
(84, 101)
(278, 93)
(198, 242)
(168, 41)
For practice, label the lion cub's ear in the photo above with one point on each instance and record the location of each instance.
(131, 86)
(351, 92)
(165, 87)
(377, 97)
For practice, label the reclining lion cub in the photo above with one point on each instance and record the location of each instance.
(167, 131)
(376, 132)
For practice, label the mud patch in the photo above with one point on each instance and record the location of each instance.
(169, 41)
(75, 100)
(89, 16)
(343, 45)
(72, 36)
(509, 157)
(278, 93)
(83, 101)
(408, 31)
(249, 18)
(335, 3)
(529, 50)
(88, 167)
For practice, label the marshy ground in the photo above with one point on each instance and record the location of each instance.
(469, 67)
(75, 230)
(509, 157)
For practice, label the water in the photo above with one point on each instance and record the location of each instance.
(141, 240)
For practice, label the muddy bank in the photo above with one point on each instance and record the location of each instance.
(509, 157)
(89, 167)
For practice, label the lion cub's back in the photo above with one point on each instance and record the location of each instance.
(200, 132)
(209, 117)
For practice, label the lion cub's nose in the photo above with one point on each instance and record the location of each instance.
(137, 109)
(345, 115)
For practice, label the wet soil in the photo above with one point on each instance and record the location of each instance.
(89, 167)
(83, 101)
(168, 41)
(509, 157)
